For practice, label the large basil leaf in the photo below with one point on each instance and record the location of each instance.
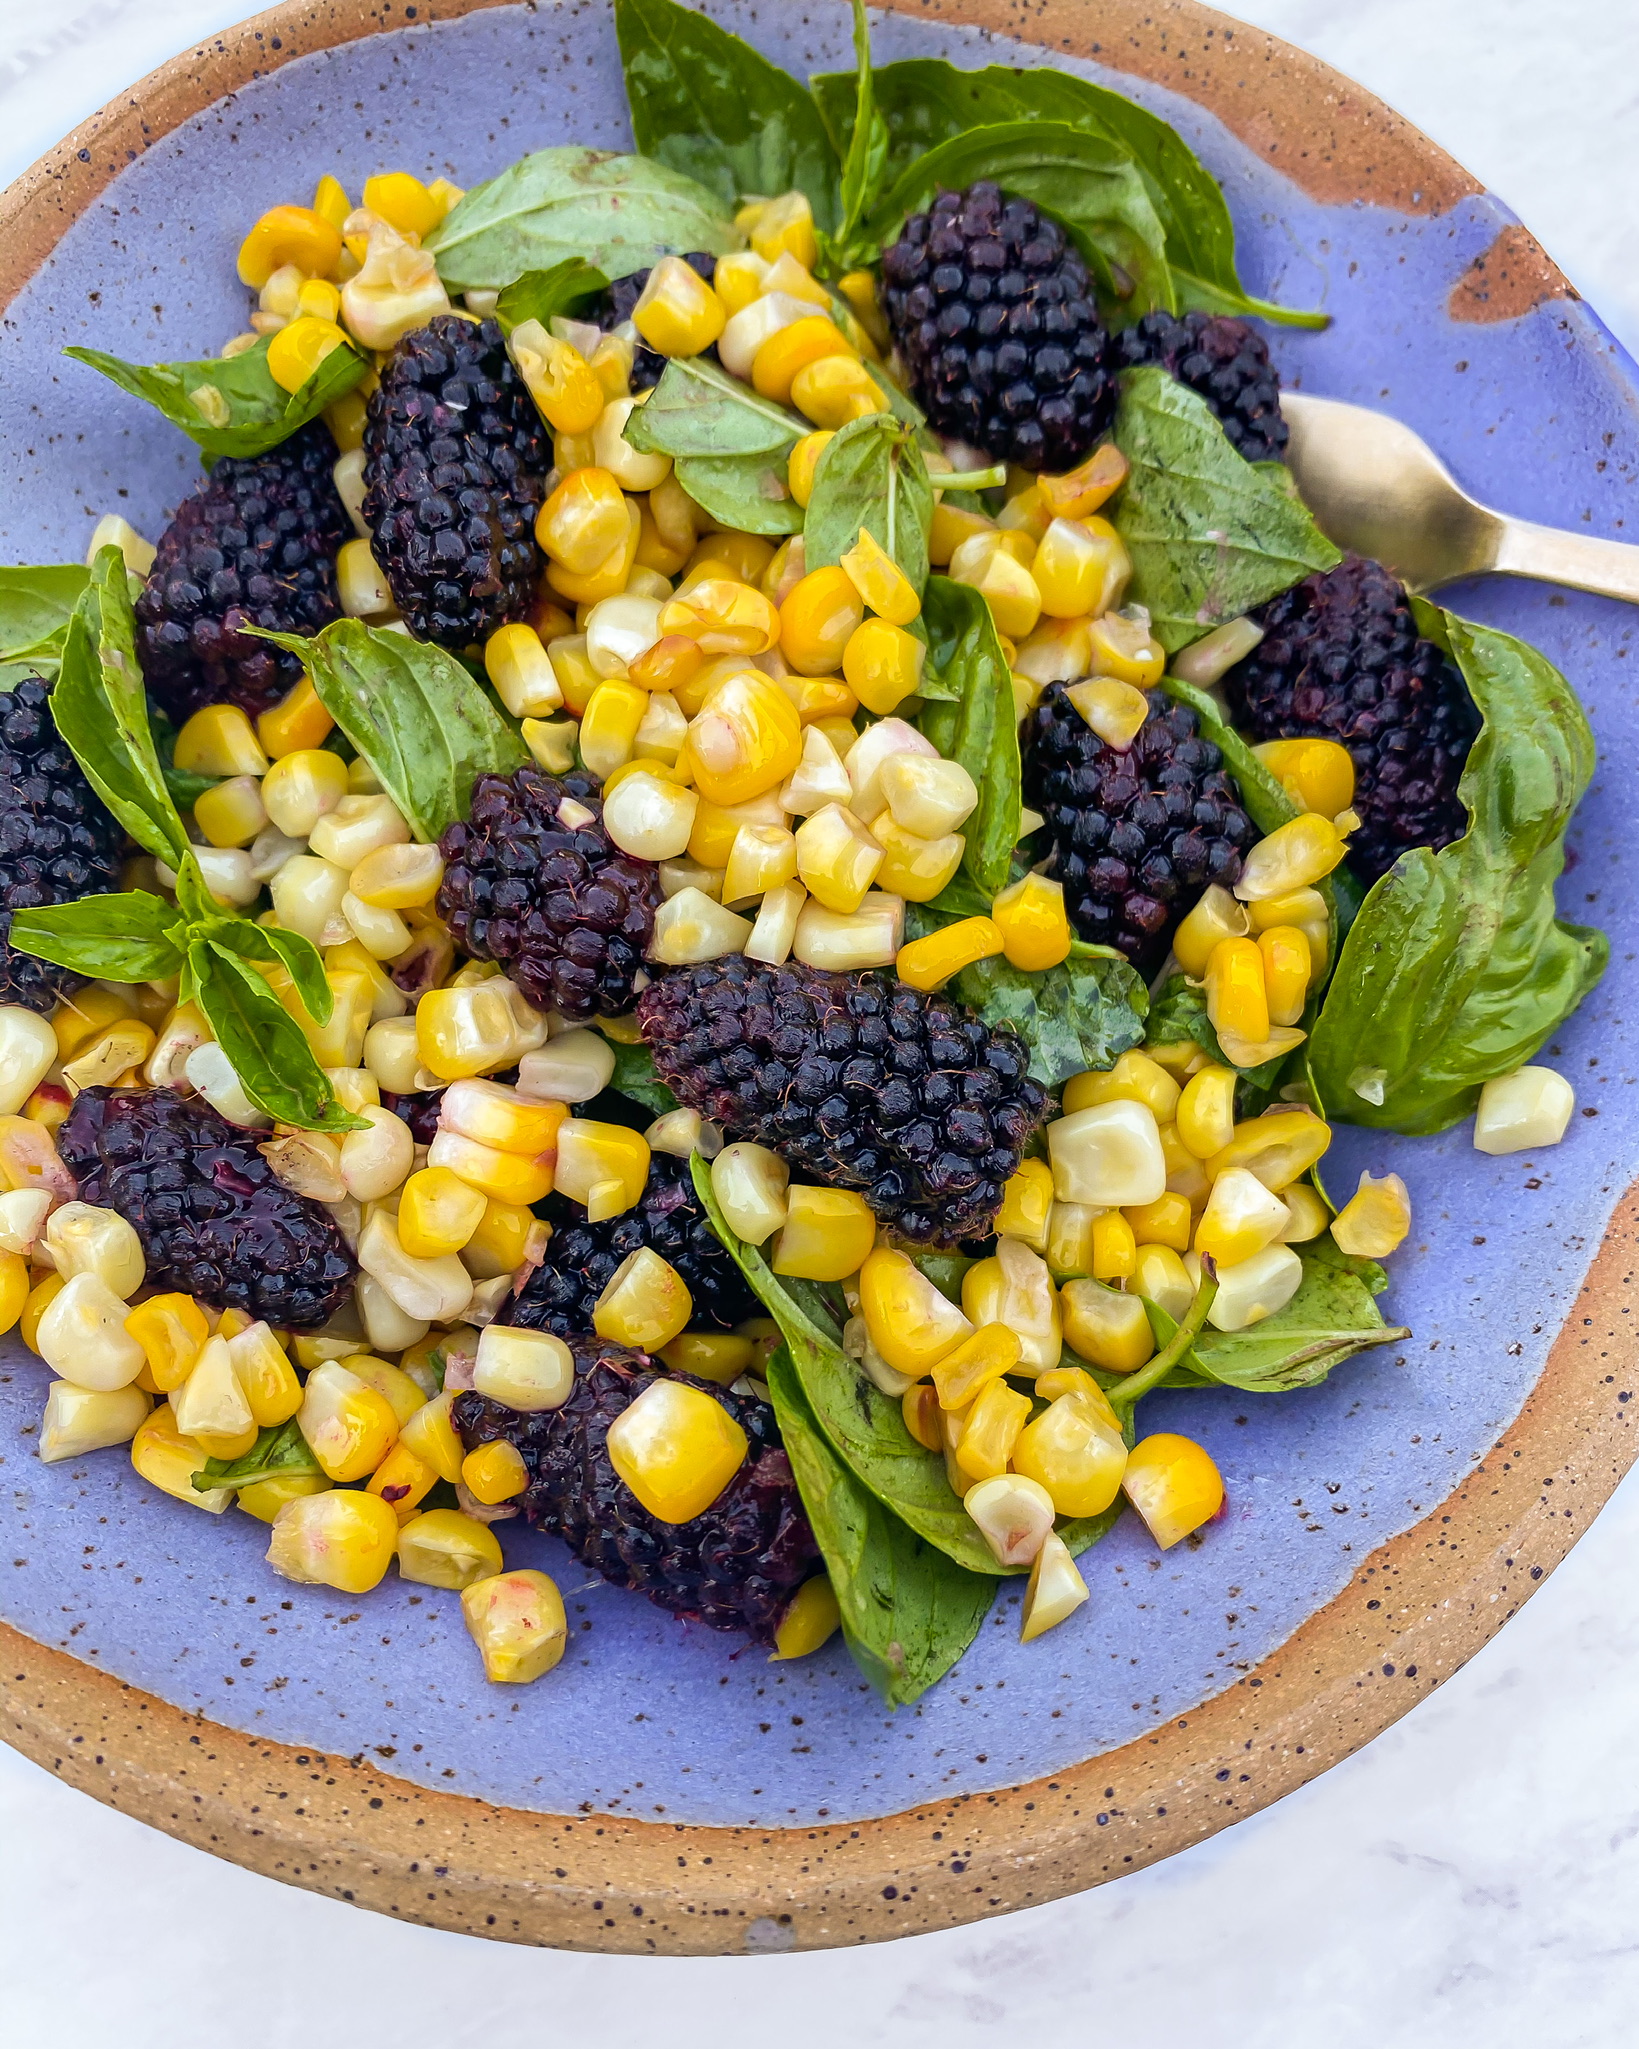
(712, 107)
(1210, 535)
(926, 101)
(1083, 180)
(299, 958)
(36, 603)
(1082, 1015)
(619, 213)
(1456, 969)
(231, 405)
(101, 710)
(426, 727)
(908, 1613)
(978, 726)
(870, 474)
(127, 936)
(539, 294)
(266, 1046)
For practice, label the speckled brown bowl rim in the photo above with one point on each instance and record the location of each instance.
(1416, 1609)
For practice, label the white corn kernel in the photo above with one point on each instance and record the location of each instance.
(269, 852)
(394, 1058)
(1014, 1515)
(1254, 1288)
(28, 1052)
(746, 332)
(209, 1070)
(819, 778)
(181, 1034)
(690, 927)
(929, 798)
(528, 1370)
(750, 1184)
(681, 1133)
(1109, 1155)
(211, 1402)
(383, 934)
(872, 752)
(82, 1336)
(1208, 660)
(355, 827)
(620, 629)
(347, 474)
(649, 817)
(362, 591)
(83, 1239)
(1056, 1589)
(611, 450)
(78, 1420)
(662, 729)
(113, 532)
(572, 1068)
(842, 940)
(1523, 1111)
(307, 897)
(385, 1324)
(430, 1290)
(23, 1213)
(775, 928)
(375, 1162)
(306, 1162)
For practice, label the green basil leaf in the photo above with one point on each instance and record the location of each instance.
(744, 491)
(619, 213)
(1210, 535)
(698, 409)
(870, 475)
(1330, 1318)
(926, 101)
(865, 161)
(36, 604)
(232, 405)
(908, 1613)
(128, 936)
(1456, 969)
(636, 1076)
(101, 710)
(280, 1452)
(541, 294)
(1084, 181)
(299, 957)
(979, 729)
(426, 727)
(710, 106)
(1083, 1014)
(265, 1045)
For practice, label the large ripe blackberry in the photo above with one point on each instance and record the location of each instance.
(993, 313)
(856, 1080)
(560, 906)
(614, 306)
(57, 842)
(213, 1218)
(1136, 834)
(254, 546)
(1341, 660)
(1225, 362)
(581, 1258)
(735, 1566)
(455, 461)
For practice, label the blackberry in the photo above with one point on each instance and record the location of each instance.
(735, 1566)
(1225, 362)
(255, 545)
(57, 843)
(613, 307)
(560, 906)
(993, 313)
(455, 461)
(581, 1258)
(213, 1218)
(419, 1110)
(1341, 660)
(1136, 835)
(856, 1080)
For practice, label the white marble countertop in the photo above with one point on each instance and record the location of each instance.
(1473, 1875)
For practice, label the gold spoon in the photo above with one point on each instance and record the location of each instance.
(1377, 488)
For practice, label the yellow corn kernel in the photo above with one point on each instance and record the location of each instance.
(1054, 1590)
(1241, 1218)
(494, 1473)
(403, 202)
(402, 1480)
(1277, 1148)
(883, 586)
(608, 730)
(106, 1060)
(567, 390)
(835, 390)
(339, 1539)
(231, 813)
(1206, 1111)
(1124, 648)
(611, 576)
(717, 826)
(498, 1116)
(1292, 857)
(508, 1177)
(40, 1298)
(910, 1322)
(1318, 774)
(1214, 916)
(837, 858)
(441, 1547)
(784, 227)
(645, 1304)
(746, 738)
(265, 1375)
(1105, 1327)
(791, 349)
(331, 203)
(1030, 916)
(678, 313)
(913, 867)
(1027, 1202)
(1135, 1078)
(1009, 589)
(812, 1617)
(1026, 512)
(827, 1235)
(601, 1164)
(1180, 1057)
(264, 1498)
(1081, 568)
(168, 1460)
(499, 1244)
(1114, 710)
(926, 963)
(1375, 1219)
(296, 351)
(1174, 1486)
(739, 279)
(288, 235)
(1160, 1276)
(991, 1352)
(1166, 1221)
(991, 1427)
(348, 1425)
(818, 618)
(883, 665)
(14, 1292)
(220, 741)
(1074, 1449)
(428, 1432)
(1286, 965)
(1069, 1248)
(398, 878)
(583, 521)
(211, 1407)
(438, 1212)
(517, 663)
(803, 462)
(517, 1621)
(577, 679)
(919, 1406)
(1236, 999)
(301, 787)
(1309, 1214)
(1304, 908)
(720, 1356)
(741, 558)
(346, 418)
(1085, 488)
(950, 528)
(1014, 1287)
(1114, 1247)
(297, 722)
(723, 617)
(677, 1448)
(81, 1019)
(761, 858)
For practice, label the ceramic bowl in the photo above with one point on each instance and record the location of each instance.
(665, 1789)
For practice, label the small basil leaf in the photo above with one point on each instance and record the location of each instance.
(426, 727)
(539, 294)
(870, 475)
(128, 936)
(36, 604)
(267, 1048)
(101, 710)
(979, 729)
(864, 167)
(280, 1451)
(697, 408)
(1083, 1014)
(748, 492)
(1330, 1318)
(299, 958)
(232, 405)
(709, 105)
(635, 1075)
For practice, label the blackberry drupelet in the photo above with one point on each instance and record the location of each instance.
(560, 906)
(213, 1218)
(1224, 361)
(1341, 660)
(993, 313)
(254, 546)
(856, 1080)
(57, 842)
(455, 461)
(581, 1258)
(1136, 835)
(735, 1566)
(419, 1111)
(613, 307)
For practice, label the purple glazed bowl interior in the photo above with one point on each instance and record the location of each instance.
(646, 1716)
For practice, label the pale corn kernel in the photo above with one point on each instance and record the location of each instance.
(677, 1449)
(375, 1162)
(1375, 1219)
(307, 897)
(441, 1547)
(787, 273)
(690, 927)
(843, 941)
(619, 630)
(819, 778)
(28, 1052)
(1254, 1288)
(1174, 1486)
(504, 1176)
(784, 226)
(162, 1456)
(1075, 1450)
(1014, 1287)
(882, 585)
(677, 876)
(265, 1375)
(220, 741)
(1027, 1201)
(1125, 648)
(397, 877)
(499, 1116)
(80, 1420)
(774, 929)
(681, 1133)
(82, 1238)
(40, 1298)
(463, 1031)
(1108, 1155)
(1010, 591)
(1081, 568)
(362, 589)
(348, 1425)
(1286, 971)
(645, 1303)
(209, 1071)
(650, 818)
(1277, 1147)
(1069, 1249)
(1054, 1591)
(927, 962)
(1160, 1276)
(594, 1156)
(827, 1234)
(1292, 857)
(28, 1151)
(82, 1335)
(211, 1406)
(23, 1212)
(1057, 651)
(231, 813)
(926, 796)
(385, 1325)
(1241, 1218)
(753, 325)
(307, 1163)
(869, 756)
(427, 1290)
(392, 1055)
(677, 312)
(914, 868)
(1166, 1221)
(631, 469)
(517, 1621)
(611, 363)
(762, 858)
(662, 731)
(1014, 1515)
(1237, 1000)
(1309, 1214)
(837, 858)
(857, 1344)
(528, 1370)
(1523, 1111)
(567, 390)
(1113, 709)
(111, 531)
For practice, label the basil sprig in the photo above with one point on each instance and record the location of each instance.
(280, 1452)
(871, 474)
(232, 405)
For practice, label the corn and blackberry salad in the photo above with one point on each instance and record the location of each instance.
(690, 904)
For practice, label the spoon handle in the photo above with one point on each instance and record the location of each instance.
(1610, 568)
